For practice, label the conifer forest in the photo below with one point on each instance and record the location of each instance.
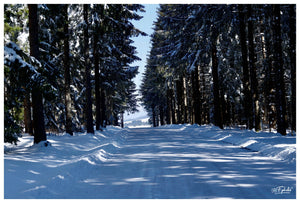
(230, 65)
(67, 68)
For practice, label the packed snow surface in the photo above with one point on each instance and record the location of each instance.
(174, 161)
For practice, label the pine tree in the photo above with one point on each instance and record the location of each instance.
(37, 98)
(15, 29)
(13, 91)
(67, 77)
(253, 78)
(196, 97)
(246, 77)
(27, 114)
(292, 36)
(51, 36)
(218, 117)
(116, 46)
(88, 107)
(98, 11)
(278, 64)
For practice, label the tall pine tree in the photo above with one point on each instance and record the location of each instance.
(37, 98)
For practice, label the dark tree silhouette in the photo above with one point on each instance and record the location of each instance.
(37, 98)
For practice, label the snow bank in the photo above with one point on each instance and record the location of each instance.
(269, 144)
(56, 160)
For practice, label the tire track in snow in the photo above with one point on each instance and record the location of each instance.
(173, 163)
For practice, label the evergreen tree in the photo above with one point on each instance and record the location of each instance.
(67, 78)
(292, 42)
(37, 98)
(246, 77)
(252, 66)
(278, 65)
(88, 107)
(218, 119)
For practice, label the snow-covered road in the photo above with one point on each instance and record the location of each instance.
(154, 163)
(167, 163)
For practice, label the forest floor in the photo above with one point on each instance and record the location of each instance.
(174, 161)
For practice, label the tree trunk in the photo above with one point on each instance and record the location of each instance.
(102, 108)
(215, 74)
(97, 84)
(278, 66)
(246, 81)
(37, 98)
(88, 108)
(122, 120)
(253, 77)
(269, 83)
(99, 32)
(180, 100)
(292, 35)
(196, 97)
(27, 114)
(169, 106)
(157, 119)
(161, 115)
(223, 107)
(153, 116)
(205, 115)
(185, 110)
(69, 127)
(173, 107)
(115, 120)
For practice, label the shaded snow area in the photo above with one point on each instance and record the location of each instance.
(174, 161)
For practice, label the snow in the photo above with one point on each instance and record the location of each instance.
(269, 144)
(141, 122)
(11, 57)
(172, 161)
(192, 67)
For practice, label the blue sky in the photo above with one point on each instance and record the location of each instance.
(143, 45)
